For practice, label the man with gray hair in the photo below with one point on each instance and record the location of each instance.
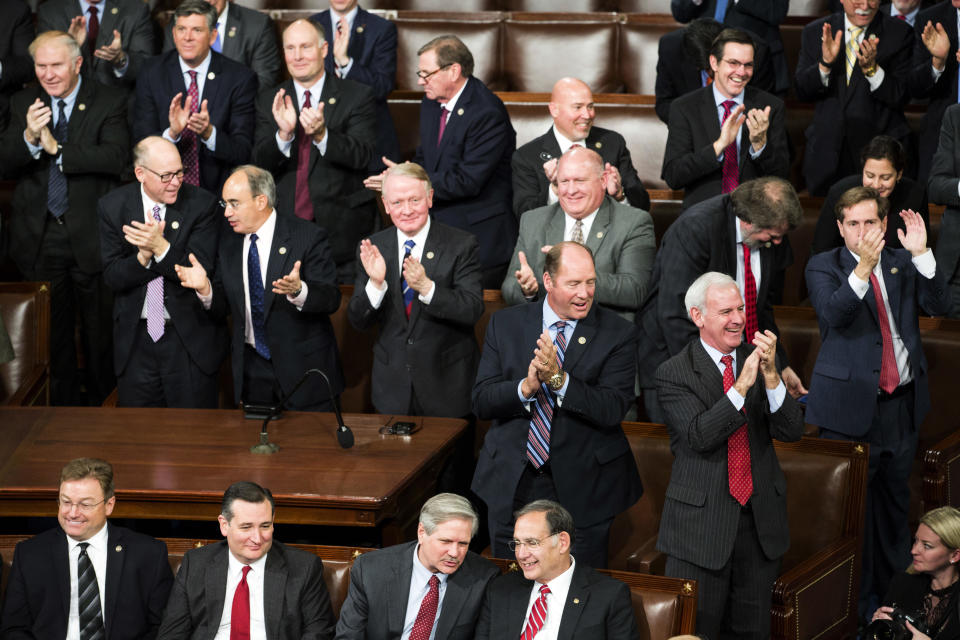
(430, 588)
(724, 520)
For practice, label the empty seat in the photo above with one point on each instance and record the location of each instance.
(644, 6)
(639, 42)
(577, 6)
(25, 308)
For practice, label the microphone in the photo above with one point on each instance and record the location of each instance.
(344, 434)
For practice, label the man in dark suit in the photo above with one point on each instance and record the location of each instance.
(66, 146)
(944, 188)
(316, 134)
(556, 432)
(86, 578)
(468, 156)
(543, 600)
(906, 10)
(364, 49)
(717, 235)
(244, 35)
(16, 67)
(854, 65)
(167, 350)
(281, 320)
(870, 379)
(116, 35)
(421, 283)
(395, 592)
(198, 99)
(534, 164)
(249, 585)
(708, 149)
(724, 520)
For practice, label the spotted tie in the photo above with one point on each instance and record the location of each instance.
(749, 294)
(541, 420)
(255, 283)
(88, 598)
(423, 625)
(739, 477)
(577, 235)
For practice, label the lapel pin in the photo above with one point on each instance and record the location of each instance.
(332, 100)
(282, 250)
(118, 548)
(460, 111)
(232, 32)
(175, 224)
(894, 270)
(767, 245)
(114, 11)
(582, 340)
(429, 255)
(360, 29)
(576, 601)
(82, 107)
(598, 145)
(211, 75)
(599, 234)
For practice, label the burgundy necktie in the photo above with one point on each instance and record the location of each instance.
(302, 204)
(730, 174)
(423, 625)
(240, 612)
(902, 17)
(443, 124)
(739, 478)
(93, 31)
(191, 154)
(538, 615)
(889, 375)
(749, 294)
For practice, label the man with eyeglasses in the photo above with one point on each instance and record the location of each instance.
(86, 578)
(167, 350)
(553, 595)
(726, 132)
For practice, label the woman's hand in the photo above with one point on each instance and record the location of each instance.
(916, 634)
(883, 613)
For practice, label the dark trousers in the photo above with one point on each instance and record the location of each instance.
(260, 386)
(734, 600)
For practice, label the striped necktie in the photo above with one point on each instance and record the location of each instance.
(538, 436)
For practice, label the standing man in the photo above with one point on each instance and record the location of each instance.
(556, 430)
(724, 520)
(709, 151)
(167, 349)
(430, 588)
(532, 603)
(870, 379)
(276, 279)
(316, 134)
(249, 585)
(944, 188)
(571, 107)
(16, 67)
(365, 50)
(66, 146)
(198, 99)
(86, 578)
(421, 283)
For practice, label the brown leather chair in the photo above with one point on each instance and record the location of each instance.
(571, 6)
(25, 307)
(446, 5)
(356, 357)
(644, 6)
(811, 9)
(639, 49)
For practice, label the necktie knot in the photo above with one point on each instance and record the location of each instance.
(560, 325)
(544, 590)
(728, 107)
(408, 247)
(193, 75)
(156, 212)
(253, 238)
(434, 582)
(727, 360)
(92, 10)
(83, 547)
(246, 570)
(855, 32)
(306, 99)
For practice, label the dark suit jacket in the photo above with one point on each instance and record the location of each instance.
(373, 48)
(597, 607)
(847, 117)
(296, 605)
(249, 38)
(130, 17)
(96, 151)
(700, 517)
(376, 603)
(702, 239)
(433, 354)
(16, 33)
(530, 186)
(943, 189)
(191, 227)
(470, 169)
(907, 591)
(341, 204)
(760, 17)
(689, 162)
(589, 453)
(230, 89)
(298, 339)
(843, 387)
(138, 582)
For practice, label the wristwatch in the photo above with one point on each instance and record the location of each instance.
(556, 380)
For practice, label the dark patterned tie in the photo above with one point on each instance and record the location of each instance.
(408, 292)
(302, 205)
(730, 173)
(240, 611)
(538, 615)
(255, 282)
(57, 183)
(155, 297)
(749, 294)
(423, 625)
(538, 436)
(191, 152)
(88, 597)
(739, 477)
(93, 31)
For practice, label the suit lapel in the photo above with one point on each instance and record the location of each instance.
(108, 21)
(228, 45)
(115, 559)
(175, 78)
(576, 601)
(60, 559)
(173, 219)
(431, 247)
(453, 600)
(728, 250)
(598, 230)
(581, 339)
(516, 615)
(80, 107)
(556, 226)
(211, 86)
(708, 375)
(329, 97)
(708, 113)
(397, 601)
(274, 588)
(391, 255)
(892, 270)
(550, 145)
(461, 109)
(215, 581)
(276, 263)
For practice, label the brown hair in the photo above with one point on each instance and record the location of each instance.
(82, 468)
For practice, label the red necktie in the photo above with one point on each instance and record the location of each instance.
(423, 625)
(900, 16)
(730, 173)
(749, 294)
(443, 124)
(191, 154)
(93, 30)
(240, 612)
(889, 376)
(739, 478)
(302, 205)
(538, 615)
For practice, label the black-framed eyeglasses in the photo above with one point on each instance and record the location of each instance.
(530, 543)
(166, 177)
(425, 75)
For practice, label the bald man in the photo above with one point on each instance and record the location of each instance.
(535, 163)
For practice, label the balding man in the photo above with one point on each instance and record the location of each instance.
(167, 351)
(535, 163)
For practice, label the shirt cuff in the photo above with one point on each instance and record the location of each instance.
(322, 145)
(562, 391)
(284, 145)
(374, 294)
(158, 258)
(211, 142)
(736, 399)
(300, 299)
(824, 77)
(937, 72)
(32, 148)
(206, 300)
(926, 264)
(427, 299)
(344, 70)
(859, 286)
(168, 136)
(526, 401)
(776, 396)
(756, 154)
(119, 72)
(552, 196)
(876, 80)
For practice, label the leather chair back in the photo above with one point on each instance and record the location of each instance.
(25, 308)
(639, 49)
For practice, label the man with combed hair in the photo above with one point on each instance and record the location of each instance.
(724, 520)
(534, 164)
(248, 585)
(432, 587)
(86, 578)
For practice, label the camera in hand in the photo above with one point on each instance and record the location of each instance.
(895, 628)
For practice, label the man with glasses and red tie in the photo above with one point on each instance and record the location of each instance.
(87, 579)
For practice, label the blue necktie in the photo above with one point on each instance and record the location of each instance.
(538, 436)
(721, 11)
(57, 182)
(408, 292)
(256, 299)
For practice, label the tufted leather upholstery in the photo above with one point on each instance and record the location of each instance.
(25, 307)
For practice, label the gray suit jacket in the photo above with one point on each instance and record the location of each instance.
(296, 605)
(376, 604)
(623, 245)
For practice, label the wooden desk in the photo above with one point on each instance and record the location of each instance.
(176, 463)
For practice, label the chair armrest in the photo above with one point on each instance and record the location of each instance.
(648, 560)
(33, 391)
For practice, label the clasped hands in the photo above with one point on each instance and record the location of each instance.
(758, 123)
(37, 132)
(147, 237)
(310, 118)
(543, 366)
(181, 117)
(376, 268)
(762, 360)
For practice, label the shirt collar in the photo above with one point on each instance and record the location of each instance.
(98, 540)
(452, 102)
(564, 142)
(719, 98)
(419, 238)
(235, 566)
(421, 574)
(101, 7)
(201, 68)
(894, 12)
(350, 16)
(148, 203)
(716, 354)
(847, 25)
(267, 228)
(316, 90)
(550, 317)
(737, 227)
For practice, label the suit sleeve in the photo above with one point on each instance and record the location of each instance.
(318, 270)
(896, 69)
(151, 120)
(360, 312)
(834, 301)
(621, 623)
(266, 56)
(109, 155)
(494, 392)
(14, 155)
(510, 289)
(683, 161)
(807, 78)
(235, 136)
(18, 66)
(603, 401)
(633, 187)
(352, 624)
(686, 10)
(772, 12)
(352, 146)
(177, 623)
(686, 255)
(139, 47)
(486, 615)
(159, 584)
(381, 74)
(463, 302)
(17, 619)
(526, 183)
(943, 182)
(483, 145)
(316, 613)
(626, 285)
(932, 294)
(121, 270)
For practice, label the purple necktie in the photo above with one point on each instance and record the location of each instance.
(155, 298)
(302, 204)
(191, 153)
(443, 124)
(730, 172)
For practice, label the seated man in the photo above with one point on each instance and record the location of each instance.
(249, 585)
(534, 604)
(396, 592)
(86, 578)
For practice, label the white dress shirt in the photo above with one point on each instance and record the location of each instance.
(419, 587)
(376, 294)
(559, 588)
(877, 78)
(754, 262)
(351, 16)
(258, 624)
(97, 552)
(775, 396)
